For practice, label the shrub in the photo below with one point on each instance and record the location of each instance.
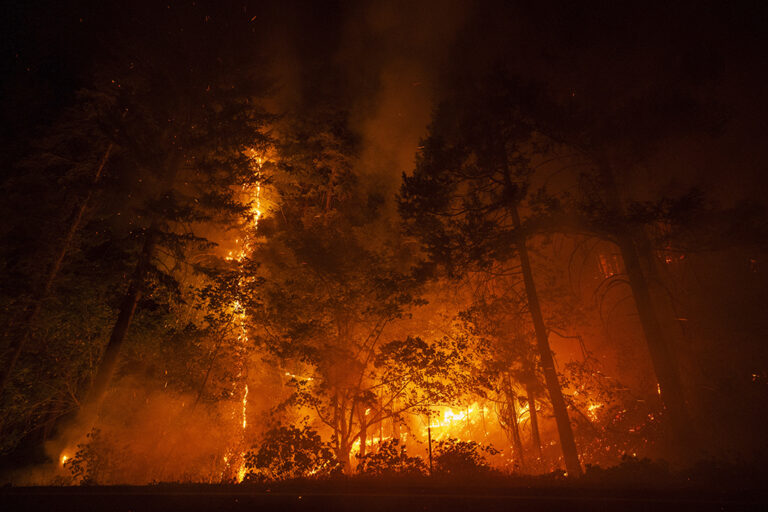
(95, 462)
(290, 452)
(455, 457)
(390, 459)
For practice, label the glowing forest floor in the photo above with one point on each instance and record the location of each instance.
(377, 496)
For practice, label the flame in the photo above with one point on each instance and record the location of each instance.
(239, 311)
(241, 472)
(524, 413)
(245, 406)
(297, 377)
(451, 422)
(592, 408)
(64, 459)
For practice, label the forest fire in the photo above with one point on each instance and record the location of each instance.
(262, 246)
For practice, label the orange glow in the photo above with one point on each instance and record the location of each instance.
(454, 422)
(238, 309)
(245, 406)
(593, 408)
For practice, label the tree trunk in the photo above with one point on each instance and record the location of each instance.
(516, 441)
(344, 434)
(662, 355)
(429, 442)
(363, 432)
(567, 442)
(89, 409)
(535, 437)
(132, 296)
(395, 423)
(215, 352)
(381, 421)
(19, 340)
(344, 455)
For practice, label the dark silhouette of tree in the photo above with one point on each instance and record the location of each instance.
(54, 151)
(330, 281)
(186, 117)
(464, 197)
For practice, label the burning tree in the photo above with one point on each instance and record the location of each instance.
(464, 201)
(328, 295)
(181, 116)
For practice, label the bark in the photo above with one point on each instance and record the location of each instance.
(395, 422)
(19, 340)
(429, 442)
(344, 455)
(89, 409)
(344, 444)
(567, 442)
(662, 355)
(535, 437)
(125, 315)
(661, 351)
(209, 369)
(363, 432)
(381, 422)
(516, 440)
(109, 358)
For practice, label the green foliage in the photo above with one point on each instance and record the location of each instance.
(390, 458)
(289, 452)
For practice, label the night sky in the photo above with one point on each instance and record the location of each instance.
(391, 61)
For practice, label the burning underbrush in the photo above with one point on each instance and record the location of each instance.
(143, 437)
(157, 437)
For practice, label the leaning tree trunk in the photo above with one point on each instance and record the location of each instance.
(659, 346)
(19, 340)
(567, 442)
(534, 415)
(90, 406)
(662, 356)
(109, 358)
(128, 305)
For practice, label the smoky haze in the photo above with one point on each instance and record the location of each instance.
(363, 228)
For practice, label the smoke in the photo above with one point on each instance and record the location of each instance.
(381, 59)
(142, 436)
(401, 47)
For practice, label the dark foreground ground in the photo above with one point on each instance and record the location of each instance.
(401, 499)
